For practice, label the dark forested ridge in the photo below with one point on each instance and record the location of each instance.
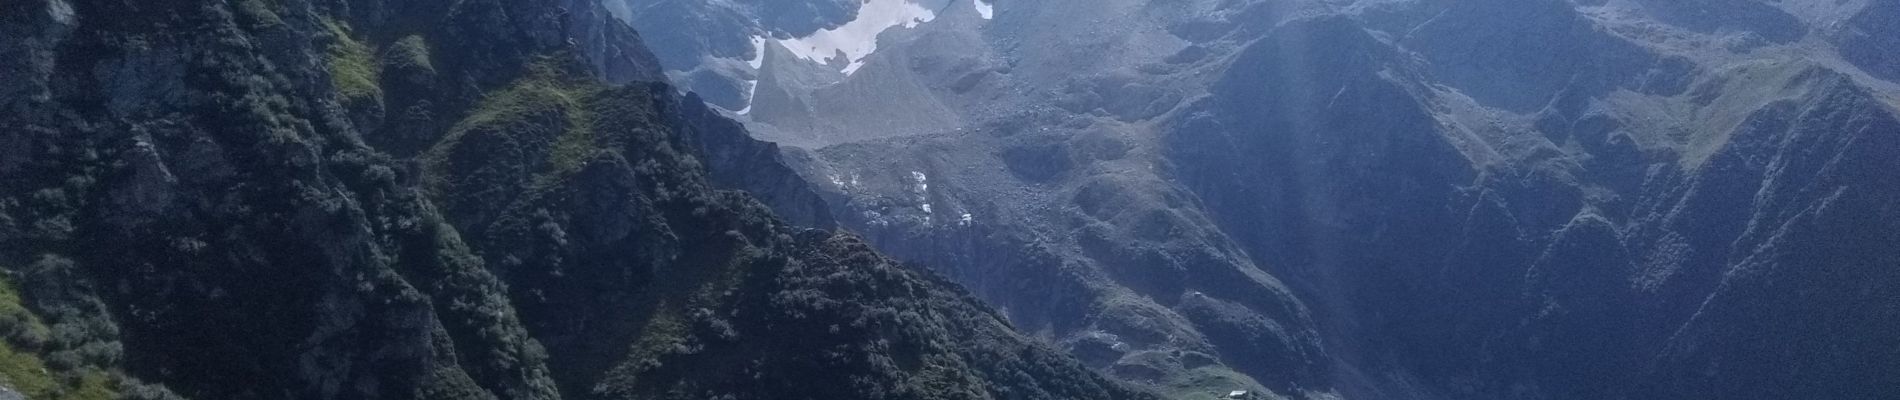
(430, 199)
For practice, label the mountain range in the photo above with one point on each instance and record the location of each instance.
(1365, 199)
(949, 199)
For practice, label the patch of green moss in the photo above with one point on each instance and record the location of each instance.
(91, 385)
(410, 52)
(544, 89)
(576, 145)
(18, 324)
(260, 12)
(721, 281)
(353, 67)
(662, 335)
(26, 373)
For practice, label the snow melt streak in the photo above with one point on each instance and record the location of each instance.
(752, 85)
(758, 52)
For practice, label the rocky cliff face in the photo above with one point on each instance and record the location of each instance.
(429, 199)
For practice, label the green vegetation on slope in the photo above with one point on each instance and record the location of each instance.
(26, 371)
(546, 102)
(410, 52)
(352, 64)
(558, 240)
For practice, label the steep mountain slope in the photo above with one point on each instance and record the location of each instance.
(1676, 211)
(1388, 199)
(429, 199)
(1055, 212)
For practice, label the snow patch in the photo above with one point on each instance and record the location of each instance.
(758, 53)
(756, 62)
(874, 218)
(751, 91)
(61, 11)
(852, 42)
(984, 8)
(752, 88)
(922, 190)
(923, 182)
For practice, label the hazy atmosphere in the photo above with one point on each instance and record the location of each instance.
(949, 199)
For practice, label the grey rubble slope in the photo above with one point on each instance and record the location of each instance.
(425, 200)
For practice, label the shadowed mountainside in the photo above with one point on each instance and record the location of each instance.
(431, 200)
